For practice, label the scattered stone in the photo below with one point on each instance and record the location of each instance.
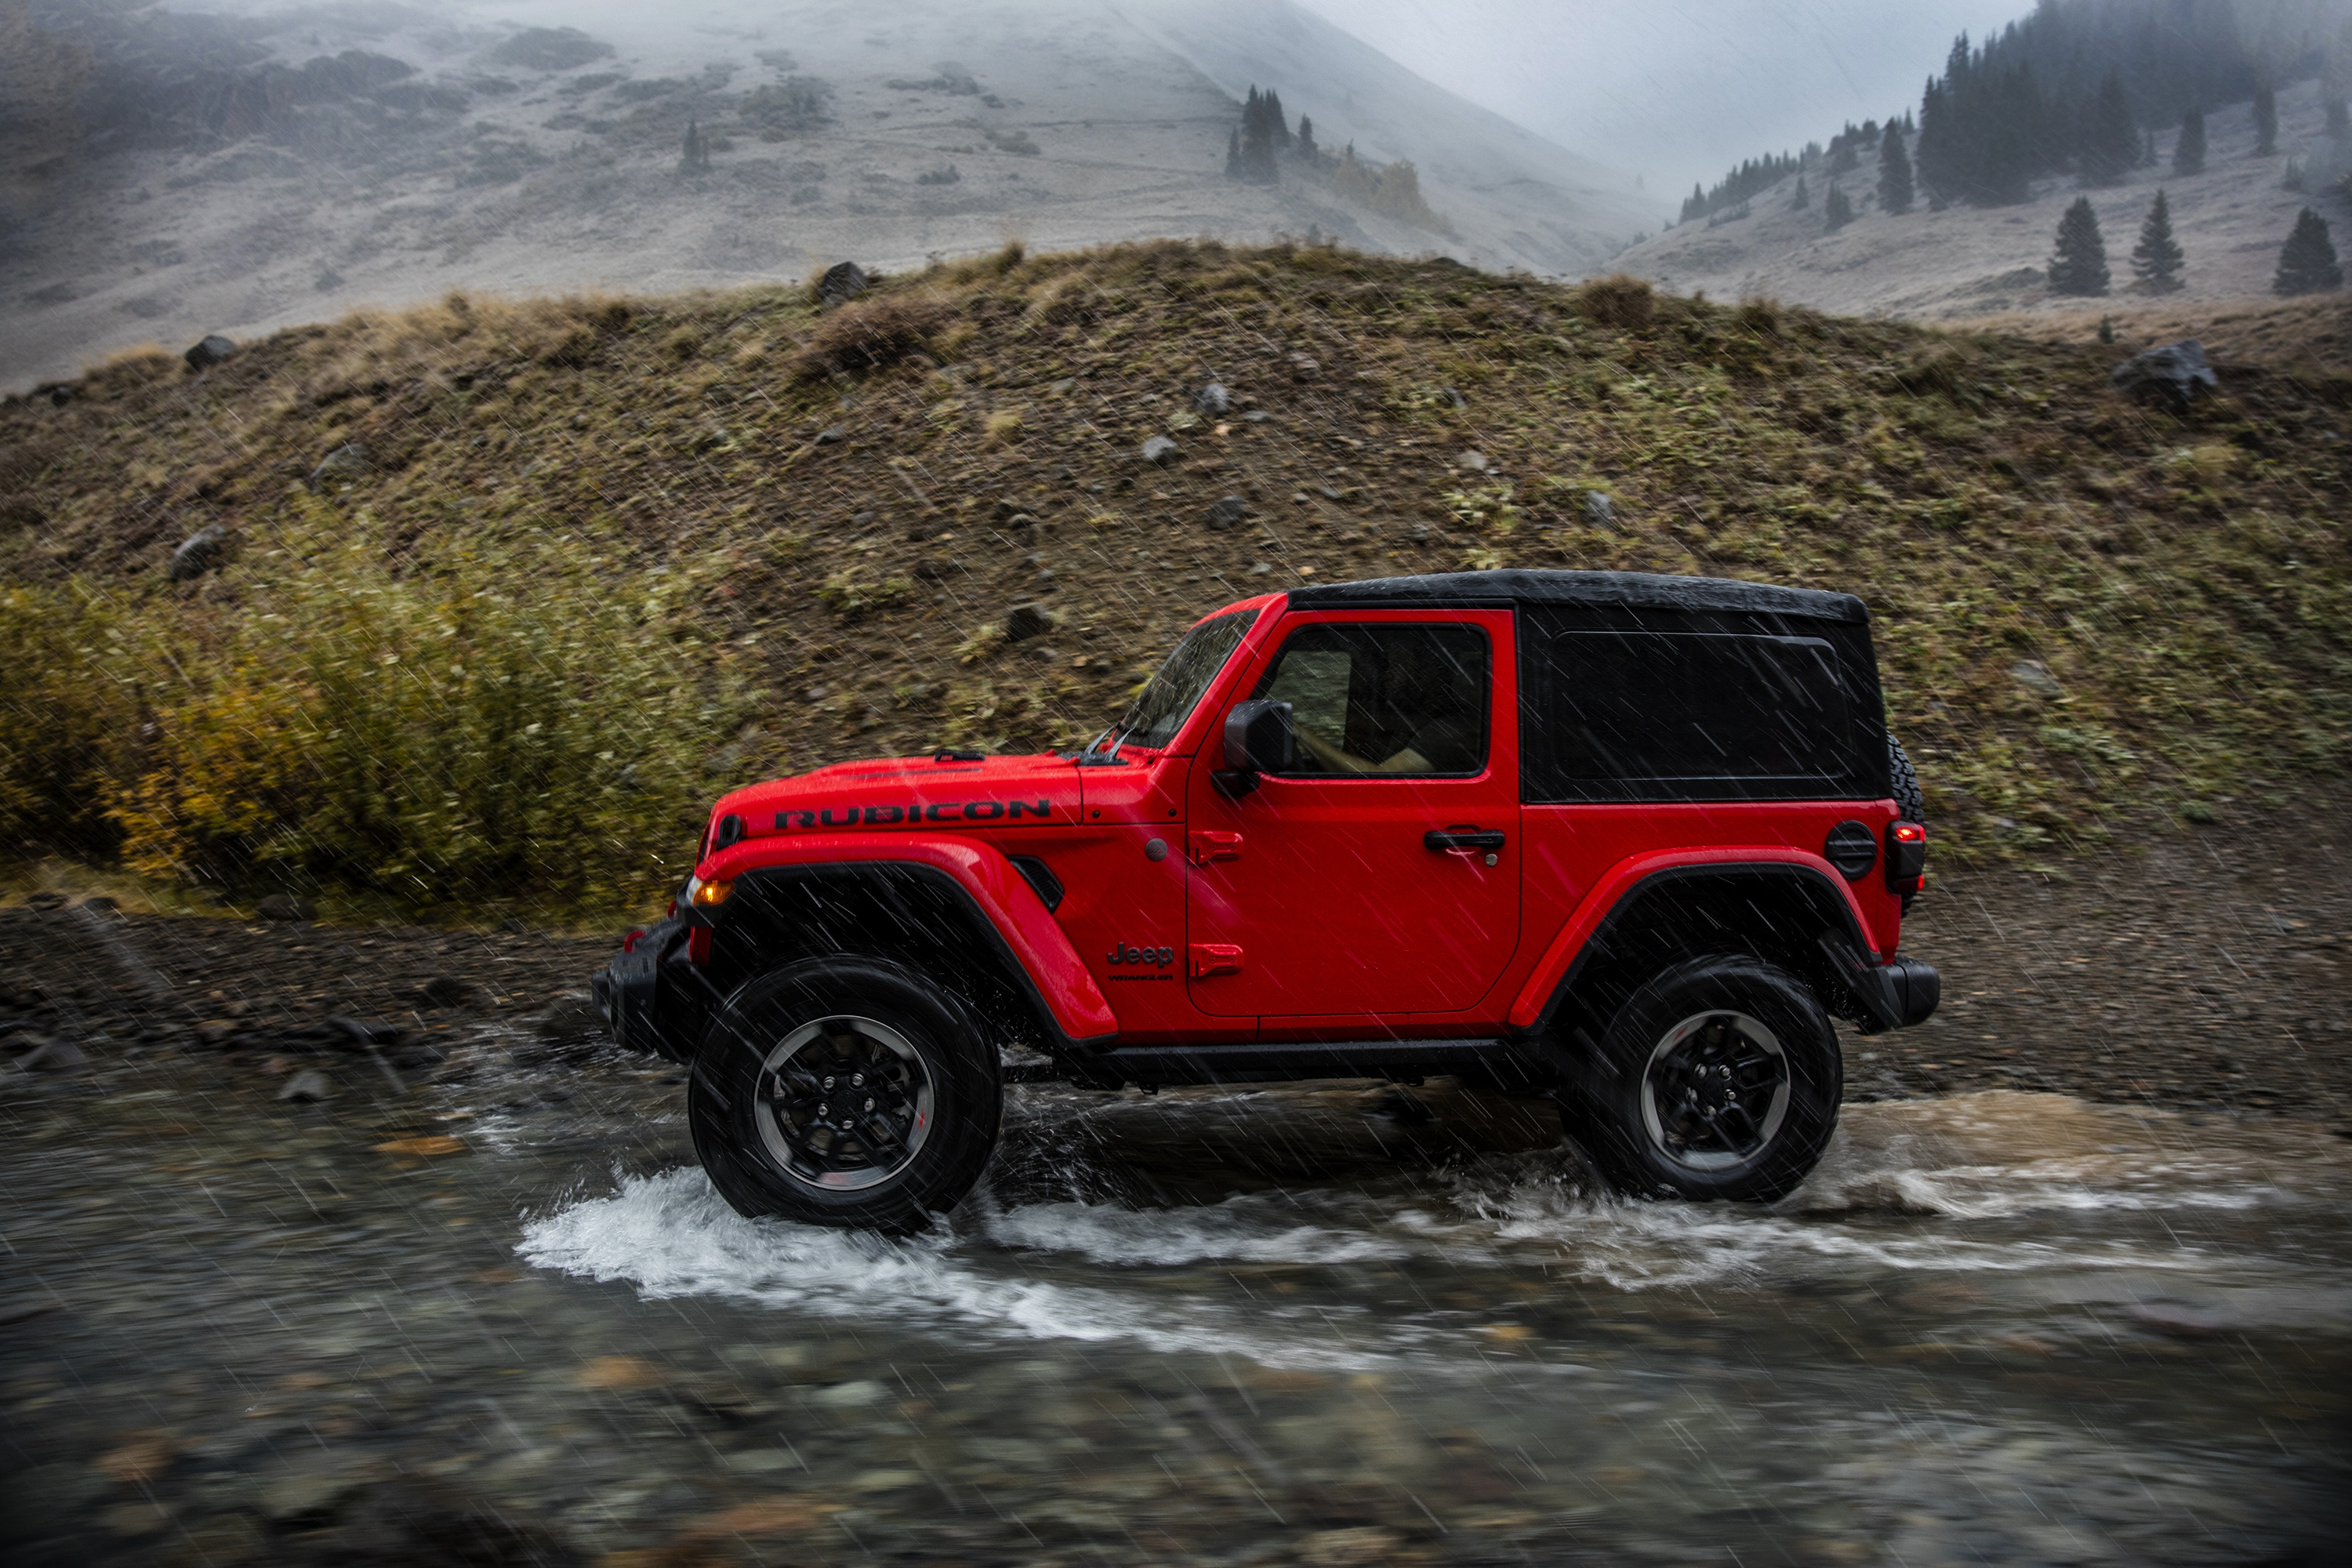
(210, 351)
(1159, 449)
(1020, 520)
(2035, 677)
(198, 554)
(1261, 568)
(309, 1087)
(1025, 621)
(100, 902)
(308, 1496)
(1453, 396)
(1256, 417)
(852, 1396)
(842, 282)
(1473, 460)
(1214, 400)
(51, 1056)
(1227, 511)
(344, 464)
(46, 901)
(449, 991)
(571, 1018)
(1600, 511)
(1303, 367)
(832, 435)
(364, 1034)
(285, 907)
(2175, 374)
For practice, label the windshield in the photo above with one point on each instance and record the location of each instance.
(1168, 701)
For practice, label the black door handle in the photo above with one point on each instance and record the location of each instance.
(1472, 838)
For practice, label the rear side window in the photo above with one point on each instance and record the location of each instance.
(1657, 715)
(1385, 700)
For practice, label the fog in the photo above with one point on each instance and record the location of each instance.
(1675, 90)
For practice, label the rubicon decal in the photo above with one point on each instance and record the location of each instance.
(912, 816)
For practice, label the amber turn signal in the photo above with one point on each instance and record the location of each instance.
(705, 895)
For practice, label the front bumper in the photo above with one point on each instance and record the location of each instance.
(651, 995)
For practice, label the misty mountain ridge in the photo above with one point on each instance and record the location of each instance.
(175, 174)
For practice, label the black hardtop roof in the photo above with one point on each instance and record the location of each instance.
(1611, 589)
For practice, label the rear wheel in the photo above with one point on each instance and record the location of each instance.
(1719, 1078)
(845, 1092)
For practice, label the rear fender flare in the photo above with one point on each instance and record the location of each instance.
(1619, 894)
(1023, 938)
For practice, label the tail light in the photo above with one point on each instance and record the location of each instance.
(1906, 856)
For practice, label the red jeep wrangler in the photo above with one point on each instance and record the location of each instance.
(1626, 840)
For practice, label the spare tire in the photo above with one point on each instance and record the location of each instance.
(1903, 783)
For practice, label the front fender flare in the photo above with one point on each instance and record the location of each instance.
(1033, 938)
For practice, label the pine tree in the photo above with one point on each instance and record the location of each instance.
(1233, 156)
(2307, 263)
(2111, 143)
(2266, 121)
(1802, 199)
(2147, 159)
(1895, 191)
(2080, 265)
(2188, 152)
(1306, 139)
(2156, 259)
(1836, 210)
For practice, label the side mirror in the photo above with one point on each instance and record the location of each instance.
(1259, 739)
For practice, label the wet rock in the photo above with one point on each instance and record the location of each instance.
(569, 1018)
(210, 351)
(1159, 449)
(1600, 511)
(344, 464)
(101, 903)
(1214, 400)
(2174, 375)
(49, 1055)
(198, 554)
(832, 435)
(308, 1496)
(361, 1033)
(1473, 460)
(1454, 396)
(842, 282)
(2035, 677)
(1303, 367)
(852, 1396)
(46, 901)
(307, 1088)
(1226, 511)
(1025, 621)
(449, 991)
(285, 907)
(1256, 417)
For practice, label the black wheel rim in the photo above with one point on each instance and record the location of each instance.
(843, 1103)
(1716, 1091)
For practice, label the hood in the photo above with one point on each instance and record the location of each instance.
(951, 793)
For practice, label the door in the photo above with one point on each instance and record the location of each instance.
(1380, 875)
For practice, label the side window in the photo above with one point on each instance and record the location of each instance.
(1385, 699)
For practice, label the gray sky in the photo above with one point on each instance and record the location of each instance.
(1675, 90)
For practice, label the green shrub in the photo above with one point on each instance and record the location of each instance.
(65, 721)
(494, 723)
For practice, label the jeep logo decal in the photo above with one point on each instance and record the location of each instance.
(909, 816)
(1162, 956)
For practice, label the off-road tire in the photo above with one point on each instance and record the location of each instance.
(1903, 783)
(1631, 1102)
(748, 1078)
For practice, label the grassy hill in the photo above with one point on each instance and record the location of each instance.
(510, 589)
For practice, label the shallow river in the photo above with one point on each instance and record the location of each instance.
(509, 1322)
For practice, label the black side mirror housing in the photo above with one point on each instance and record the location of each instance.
(1259, 739)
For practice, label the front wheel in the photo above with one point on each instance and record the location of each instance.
(845, 1092)
(1719, 1079)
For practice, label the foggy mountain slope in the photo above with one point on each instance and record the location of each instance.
(239, 169)
(1361, 95)
(1970, 262)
